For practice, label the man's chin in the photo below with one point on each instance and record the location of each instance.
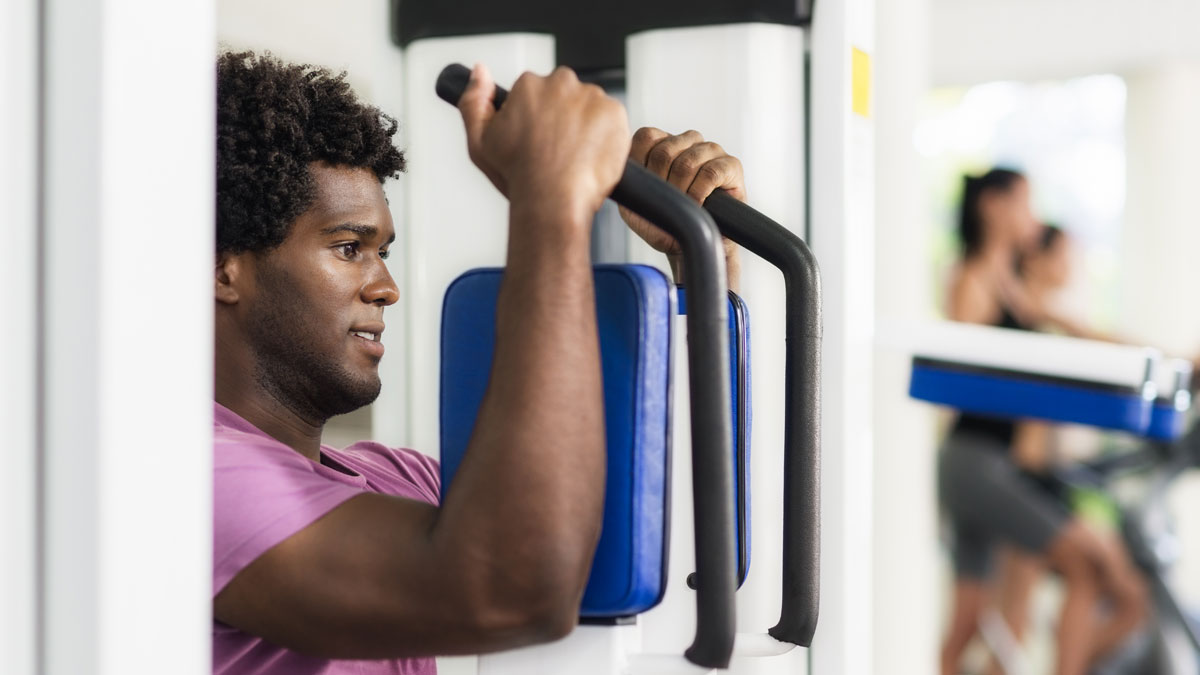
(353, 397)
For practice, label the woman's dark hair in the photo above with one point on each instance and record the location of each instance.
(273, 120)
(970, 222)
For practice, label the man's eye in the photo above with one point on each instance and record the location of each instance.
(384, 254)
(349, 249)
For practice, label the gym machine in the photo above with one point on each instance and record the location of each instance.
(740, 73)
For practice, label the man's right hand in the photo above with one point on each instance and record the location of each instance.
(556, 140)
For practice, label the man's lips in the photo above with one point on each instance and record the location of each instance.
(367, 336)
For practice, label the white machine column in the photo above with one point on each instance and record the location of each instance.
(742, 86)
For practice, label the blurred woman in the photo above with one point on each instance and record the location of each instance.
(1044, 270)
(987, 498)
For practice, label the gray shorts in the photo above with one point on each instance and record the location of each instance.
(989, 501)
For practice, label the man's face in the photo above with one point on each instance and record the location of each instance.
(315, 313)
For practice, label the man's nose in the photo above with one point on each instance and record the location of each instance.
(381, 288)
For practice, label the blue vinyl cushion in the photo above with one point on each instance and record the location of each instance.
(1011, 395)
(634, 307)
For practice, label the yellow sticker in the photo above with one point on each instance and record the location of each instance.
(860, 82)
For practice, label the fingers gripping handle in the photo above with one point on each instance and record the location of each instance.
(452, 82)
(708, 365)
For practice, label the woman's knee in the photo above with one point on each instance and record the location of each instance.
(1076, 554)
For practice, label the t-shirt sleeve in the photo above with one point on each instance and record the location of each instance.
(263, 492)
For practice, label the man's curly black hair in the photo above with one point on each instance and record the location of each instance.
(273, 120)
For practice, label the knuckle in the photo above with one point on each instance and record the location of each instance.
(692, 136)
(711, 172)
(524, 80)
(660, 155)
(646, 134)
(685, 164)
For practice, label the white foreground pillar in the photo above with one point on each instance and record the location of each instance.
(19, 112)
(126, 274)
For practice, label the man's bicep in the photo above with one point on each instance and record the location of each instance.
(362, 581)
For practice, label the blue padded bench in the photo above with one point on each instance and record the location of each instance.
(1014, 374)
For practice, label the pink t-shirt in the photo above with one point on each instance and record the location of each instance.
(264, 492)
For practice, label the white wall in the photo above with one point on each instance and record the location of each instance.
(1160, 247)
(984, 40)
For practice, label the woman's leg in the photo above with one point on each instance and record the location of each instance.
(1124, 586)
(1093, 569)
(1073, 553)
(970, 596)
(1020, 573)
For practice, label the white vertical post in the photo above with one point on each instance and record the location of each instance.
(456, 219)
(750, 100)
(842, 236)
(19, 46)
(127, 269)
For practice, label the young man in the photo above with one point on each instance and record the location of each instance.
(323, 556)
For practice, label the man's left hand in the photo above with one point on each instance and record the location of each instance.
(695, 166)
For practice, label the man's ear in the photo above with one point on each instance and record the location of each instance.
(230, 269)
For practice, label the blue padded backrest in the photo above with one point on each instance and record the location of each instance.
(634, 307)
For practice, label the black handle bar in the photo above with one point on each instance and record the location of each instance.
(802, 404)
(708, 366)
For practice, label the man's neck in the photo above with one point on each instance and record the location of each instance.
(264, 410)
(279, 422)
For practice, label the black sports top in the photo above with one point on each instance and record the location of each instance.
(981, 425)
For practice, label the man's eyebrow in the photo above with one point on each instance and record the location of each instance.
(357, 228)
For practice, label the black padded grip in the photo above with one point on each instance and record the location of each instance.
(774, 243)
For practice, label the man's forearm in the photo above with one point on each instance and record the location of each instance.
(530, 488)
